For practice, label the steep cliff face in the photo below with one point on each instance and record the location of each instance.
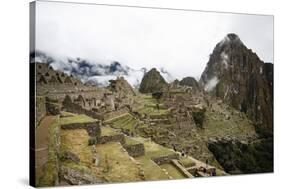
(152, 82)
(237, 75)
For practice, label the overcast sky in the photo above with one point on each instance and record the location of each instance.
(179, 41)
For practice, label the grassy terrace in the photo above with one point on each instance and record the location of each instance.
(216, 124)
(108, 131)
(115, 165)
(186, 162)
(149, 106)
(125, 122)
(151, 170)
(173, 171)
(153, 150)
(131, 141)
(81, 118)
(152, 110)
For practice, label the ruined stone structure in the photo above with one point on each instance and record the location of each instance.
(64, 92)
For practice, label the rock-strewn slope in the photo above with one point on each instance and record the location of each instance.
(238, 76)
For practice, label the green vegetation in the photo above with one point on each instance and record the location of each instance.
(81, 118)
(126, 123)
(67, 114)
(131, 141)
(107, 131)
(92, 140)
(186, 162)
(198, 117)
(254, 157)
(173, 171)
(153, 150)
(116, 165)
(151, 170)
(216, 125)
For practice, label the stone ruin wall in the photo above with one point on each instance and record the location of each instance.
(116, 113)
(135, 150)
(92, 128)
(165, 159)
(76, 108)
(112, 138)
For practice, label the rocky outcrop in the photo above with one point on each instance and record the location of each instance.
(76, 177)
(152, 82)
(190, 82)
(238, 157)
(235, 74)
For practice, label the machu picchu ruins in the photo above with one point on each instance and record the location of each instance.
(219, 125)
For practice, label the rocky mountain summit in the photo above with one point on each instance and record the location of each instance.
(189, 81)
(236, 74)
(152, 82)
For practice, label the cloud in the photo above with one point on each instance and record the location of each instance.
(90, 71)
(179, 41)
(211, 84)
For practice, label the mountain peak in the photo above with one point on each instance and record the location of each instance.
(232, 36)
(152, 81)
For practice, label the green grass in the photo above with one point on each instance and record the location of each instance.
(153, 150)
(81, 118)
(151, 170)
(107, 131)
(131, 141)
(173, 171)
(116, 164)
(67, 114)
(125, 122)
(216, 124)
(186, 162)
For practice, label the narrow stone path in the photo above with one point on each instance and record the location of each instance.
(41, 145)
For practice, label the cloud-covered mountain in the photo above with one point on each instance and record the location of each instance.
(92, 72)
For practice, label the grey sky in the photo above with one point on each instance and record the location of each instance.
(179, 41)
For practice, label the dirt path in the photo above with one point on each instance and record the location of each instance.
(41, 145)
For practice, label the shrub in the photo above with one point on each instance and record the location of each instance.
(199, 117)
(92, 141)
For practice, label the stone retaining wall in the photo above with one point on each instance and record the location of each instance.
(113, 138)
(165, 159)
(117, 113)
(93, 128)
(135, 150)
